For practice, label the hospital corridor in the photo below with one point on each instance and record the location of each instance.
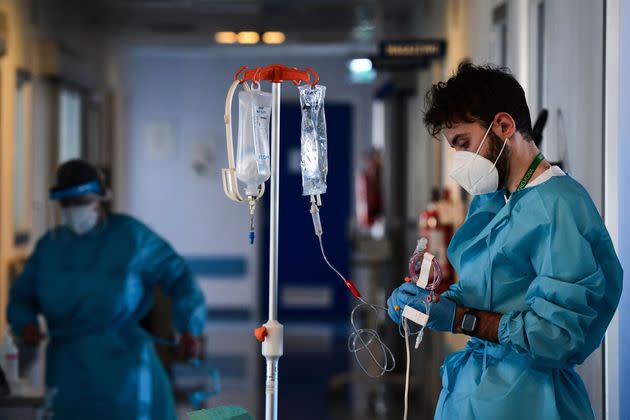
(325, 210)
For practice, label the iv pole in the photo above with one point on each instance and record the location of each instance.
(271, 334)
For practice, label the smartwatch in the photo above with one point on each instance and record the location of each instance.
(470, 321)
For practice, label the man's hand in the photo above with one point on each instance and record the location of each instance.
(189, 346)
(32, 335)
(441, 316)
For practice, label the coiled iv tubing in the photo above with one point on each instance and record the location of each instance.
(360, 339)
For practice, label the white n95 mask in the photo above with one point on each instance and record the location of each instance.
(475, 173)
(80, 219)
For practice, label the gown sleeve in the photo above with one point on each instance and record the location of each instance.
(23, 303)
(165, 267)
(454, 293)
(571, 300)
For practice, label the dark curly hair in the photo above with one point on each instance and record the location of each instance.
(476, 94)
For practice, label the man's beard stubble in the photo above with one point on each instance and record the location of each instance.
(503, 164)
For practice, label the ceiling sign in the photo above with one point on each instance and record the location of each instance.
(408, 54)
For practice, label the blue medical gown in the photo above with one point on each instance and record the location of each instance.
(546, 262)
(93, 290)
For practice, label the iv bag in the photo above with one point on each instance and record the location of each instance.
(313, 140)
(252, 152)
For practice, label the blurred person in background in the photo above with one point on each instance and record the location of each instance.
(92, 279)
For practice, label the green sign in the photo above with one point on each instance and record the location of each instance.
(221, 413)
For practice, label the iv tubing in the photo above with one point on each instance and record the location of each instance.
(408, 370)
(366, 336)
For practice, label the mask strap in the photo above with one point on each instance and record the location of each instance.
(499, 156)
(485, 136)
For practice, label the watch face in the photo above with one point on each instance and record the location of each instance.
(469, 322)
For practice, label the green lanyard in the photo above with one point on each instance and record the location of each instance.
(528, 175)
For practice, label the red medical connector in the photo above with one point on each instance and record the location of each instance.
(433, 298)
(355, 292)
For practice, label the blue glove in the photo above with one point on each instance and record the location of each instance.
(441, 316)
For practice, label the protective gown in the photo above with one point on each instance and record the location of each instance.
(93, 290)
(546, 262)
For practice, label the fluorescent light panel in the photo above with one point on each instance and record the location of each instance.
(249, 37)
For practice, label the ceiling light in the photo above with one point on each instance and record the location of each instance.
(360, 65)
(361, 70)
(248, 37)
(273, 37)
(225, 37)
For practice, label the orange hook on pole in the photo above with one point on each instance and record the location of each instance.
(239, 71)
(277, 73)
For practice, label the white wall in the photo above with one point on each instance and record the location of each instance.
(573, 88)
(186, 88)
(424, 152)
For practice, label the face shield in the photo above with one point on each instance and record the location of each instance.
(78, 207)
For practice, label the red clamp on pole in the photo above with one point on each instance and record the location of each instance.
(353, 289)
(260, 333)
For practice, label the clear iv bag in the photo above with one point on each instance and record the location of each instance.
(252, 152)
(313, 140)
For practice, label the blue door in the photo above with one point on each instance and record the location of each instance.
(308, 289)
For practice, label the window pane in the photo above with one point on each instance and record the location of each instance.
(69, 125)
(21, 160)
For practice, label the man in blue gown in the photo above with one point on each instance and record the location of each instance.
(539, 277)
(92, 280)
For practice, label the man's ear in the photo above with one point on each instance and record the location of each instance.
(504, 125)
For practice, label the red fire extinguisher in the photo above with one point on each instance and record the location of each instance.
(369, 202)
